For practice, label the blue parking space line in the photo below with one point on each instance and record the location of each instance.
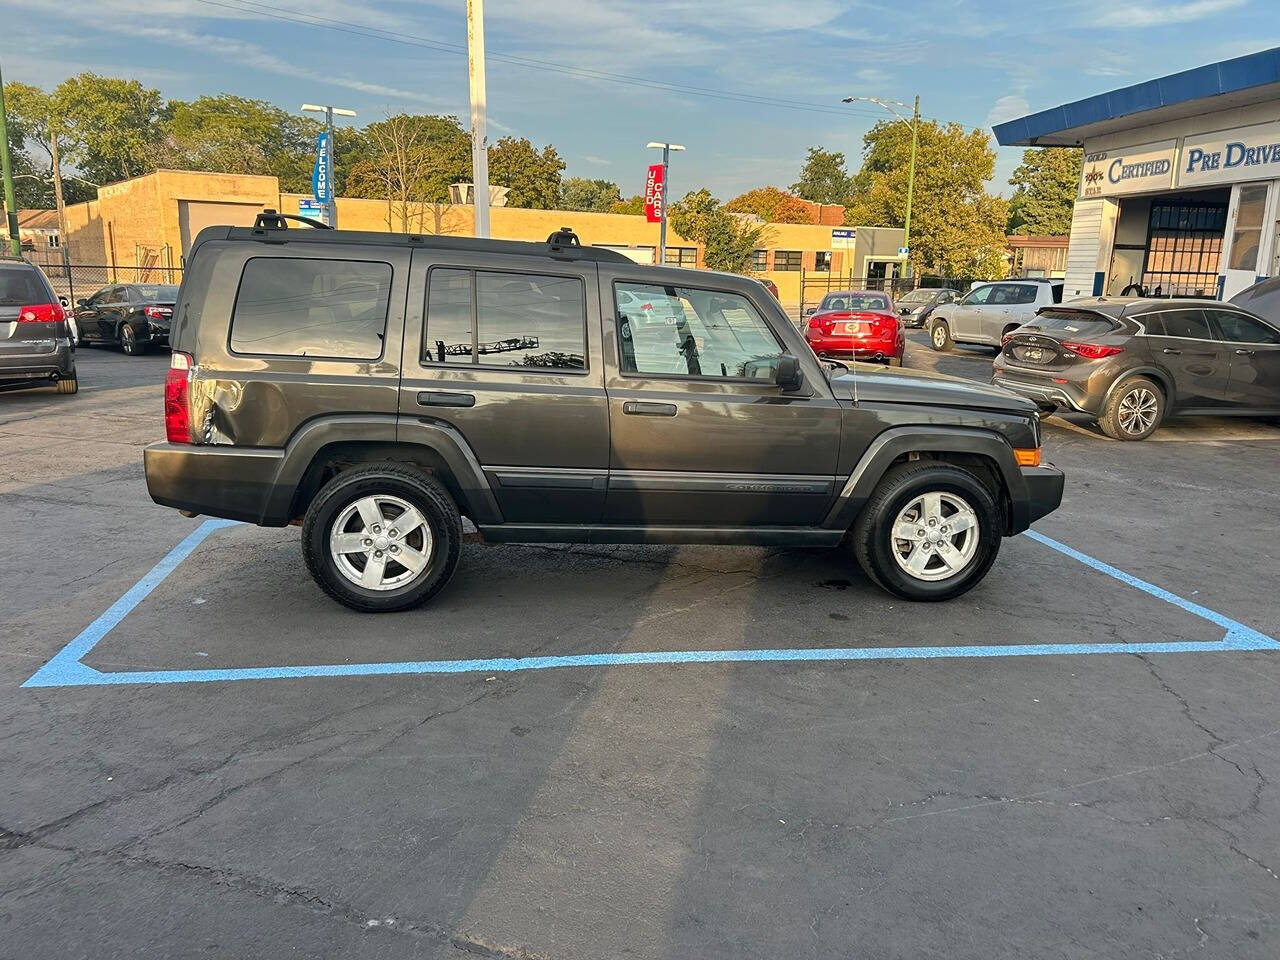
(68, 669)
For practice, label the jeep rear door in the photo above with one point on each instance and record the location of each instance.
(701, 435)
(506, 351)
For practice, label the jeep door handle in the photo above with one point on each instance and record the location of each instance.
(644, 408)
(443, 398)
(1170, 350)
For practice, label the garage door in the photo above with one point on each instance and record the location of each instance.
(195, 215)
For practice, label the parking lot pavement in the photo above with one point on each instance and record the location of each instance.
(1032, 806)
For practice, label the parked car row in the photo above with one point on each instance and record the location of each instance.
(131, 316)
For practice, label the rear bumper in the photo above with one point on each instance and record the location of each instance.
(1070, 395)
(1043, 495)
(862, 348)
(38, 366)
(232, 482)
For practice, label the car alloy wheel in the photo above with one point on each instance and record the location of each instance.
(1137, 411)
(939, 336)
(380, 542)
(935, 536)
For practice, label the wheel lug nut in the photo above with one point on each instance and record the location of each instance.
(376, 528)
(377, 553)
(392, 532)
(394, 548)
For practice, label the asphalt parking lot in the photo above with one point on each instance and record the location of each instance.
(1066, 805)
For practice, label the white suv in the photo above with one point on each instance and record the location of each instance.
(988, 312)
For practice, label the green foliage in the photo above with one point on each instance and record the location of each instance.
(772, 204)
(633, 206)
(532, 176)
(230, 134)
(408, 158)
(1045, 185)
(823, 178)
(114, 125)
(957, 228)
(580, 193)
(729, 240)
(33, 117)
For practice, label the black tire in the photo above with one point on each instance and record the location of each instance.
(425, 493)
(894, 362)
(129, 341)
(873, 540)
(1134, 410)
(69, 384)
(940, 336)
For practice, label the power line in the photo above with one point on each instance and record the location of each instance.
(377, 33)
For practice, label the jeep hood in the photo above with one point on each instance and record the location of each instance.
(877, 384)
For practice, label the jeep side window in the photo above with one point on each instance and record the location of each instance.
(512, 320)
(683, 331)
(311, 308)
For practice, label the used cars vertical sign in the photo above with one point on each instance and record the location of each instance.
(653, 199)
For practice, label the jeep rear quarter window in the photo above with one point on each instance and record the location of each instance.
(522, 320)
(682, 331)
(311, 308)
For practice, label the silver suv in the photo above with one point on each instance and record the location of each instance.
(35, 339)
(990, 312)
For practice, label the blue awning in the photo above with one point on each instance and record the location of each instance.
(1241, 80)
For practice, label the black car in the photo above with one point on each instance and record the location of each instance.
(914, 306)
(1131, 363)
(131, 316)
(35, 339)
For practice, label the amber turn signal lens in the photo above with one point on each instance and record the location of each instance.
(1027, 458)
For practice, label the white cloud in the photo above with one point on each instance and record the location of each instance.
(1008, 108)
(597, 161)
(1134, 15)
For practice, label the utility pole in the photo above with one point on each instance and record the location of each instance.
(10, 203)
(911, 176)
(62, 207)
(479, 115)
(331, 155)
(666, 192)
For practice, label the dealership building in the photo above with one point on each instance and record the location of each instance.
(1180, 190)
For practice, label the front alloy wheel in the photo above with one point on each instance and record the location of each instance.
(935, 536)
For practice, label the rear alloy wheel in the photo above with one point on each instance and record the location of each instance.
(930, 531)
(1133, 411)
(940, 335)
(129, 341)
(381, 538)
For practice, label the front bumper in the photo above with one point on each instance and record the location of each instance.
(238, 483)
(1043, 495)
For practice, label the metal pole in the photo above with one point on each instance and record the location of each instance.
(911, 176)
(479, 108)
(57, 196)
(10, 203)
(666, 192)
(333, 164)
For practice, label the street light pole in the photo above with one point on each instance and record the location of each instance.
(10, 203)
(332, 163)
(479, 117)
(666, 163)
(914, 123)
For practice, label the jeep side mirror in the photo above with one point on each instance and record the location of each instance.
(788, 377)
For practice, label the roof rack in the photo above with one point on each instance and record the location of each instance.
(563, 239)
(268, 219)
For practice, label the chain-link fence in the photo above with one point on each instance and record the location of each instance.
(80, 281)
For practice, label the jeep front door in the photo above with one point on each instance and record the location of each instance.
(505, 351)
(700, 433)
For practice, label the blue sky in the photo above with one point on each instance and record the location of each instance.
(972, 61)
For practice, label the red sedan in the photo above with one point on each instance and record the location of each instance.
(861, 324)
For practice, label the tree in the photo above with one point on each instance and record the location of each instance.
(823, 178)
(230, 134)
(772, 204)
(532, 176)
(579, 193)
(34, 119)
(1045, 185)
(957, 228)
(410, 160)
(729, 239)
(114, 125)
(633, 206)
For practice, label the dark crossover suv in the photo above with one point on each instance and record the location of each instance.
(35, 341)
(379, 387)
(131, 316)
(1131, 363)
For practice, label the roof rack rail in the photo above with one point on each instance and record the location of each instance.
(268, 219)
(563, 239)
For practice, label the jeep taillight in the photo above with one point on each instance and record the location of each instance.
(177, 399)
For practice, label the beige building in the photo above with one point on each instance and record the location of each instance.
(150, 222)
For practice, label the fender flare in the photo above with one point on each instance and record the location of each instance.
(1151, 373)
(441, 438)
(893, 443)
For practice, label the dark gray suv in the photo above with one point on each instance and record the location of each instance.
(35, 340)
(379, 387)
